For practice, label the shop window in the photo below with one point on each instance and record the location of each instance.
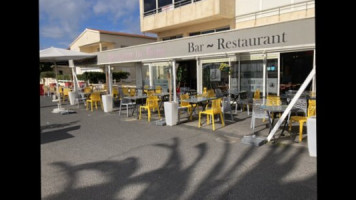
(214, 78)
(251, 75)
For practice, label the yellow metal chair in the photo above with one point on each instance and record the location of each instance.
(211, 93)
(66, 93)
(257, 94)
(150, 93)
(303, 119)
(158, 89)
(115, 92)
(132, 92)
(87, 90)
(151, 103)
(186, 104)
(94, 98)
(215, 109)
(125, 90)
(145, 88)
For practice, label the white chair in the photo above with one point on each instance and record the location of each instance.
(245, 99)
(125, 102)
(80, 97)
(226, 107)
(257, 112)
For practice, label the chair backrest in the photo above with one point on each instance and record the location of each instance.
(115, 91)
(311, 107)
(158, 89)
(125, 91)
(87, 90)
(226, 106)
(66, 91)
(218, 93)
(301, 105)
(184, 97)
(211, 93)
(150, 93)
(132, 92)
(273, 100)
(257, 111)
(257, 94)
(216, 105)
(95, 96)
(152, 101)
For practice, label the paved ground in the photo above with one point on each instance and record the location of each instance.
(97, 155)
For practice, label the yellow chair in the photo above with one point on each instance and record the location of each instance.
(87, 90)
(211, 93)
(303, 119)
(215, 109)
(66, 93)
(158, 90)
(273, 100)
(94, 98)
(115, 92)
(125, 90)
(150, 93)
(257, 94)
(151, 103)
(145, 88)
(186, 104)
(132, 92)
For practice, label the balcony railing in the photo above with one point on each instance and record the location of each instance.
(303, 6)
(176, 4)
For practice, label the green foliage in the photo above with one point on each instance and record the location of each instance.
(64, 77)
(224, 67)
(47, 74)
(95, 77)
(120, 75)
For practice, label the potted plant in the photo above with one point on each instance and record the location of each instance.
(225, 68)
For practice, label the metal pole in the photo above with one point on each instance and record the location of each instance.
(291, 104)
(110, 79)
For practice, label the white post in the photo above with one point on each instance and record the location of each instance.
(314, 78)
(199, 77)
(150, 74)
(264, 74)
(230, 73)
(291, 104)
(174, 81)
(278, 74)
(110, 79)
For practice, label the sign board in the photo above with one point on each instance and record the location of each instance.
(292, 33)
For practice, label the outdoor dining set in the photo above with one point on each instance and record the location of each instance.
(211, 103)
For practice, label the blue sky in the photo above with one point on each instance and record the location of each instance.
(61, 21)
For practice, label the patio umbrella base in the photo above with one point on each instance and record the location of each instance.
(58, 110)
(253, 140)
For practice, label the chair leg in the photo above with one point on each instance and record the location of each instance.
(212, 118)
(127, 110)
(301, 131)
(199, 125)
(149, 114)
(222, 119)
(139, 117)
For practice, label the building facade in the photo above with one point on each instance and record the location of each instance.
(269, 45)
(94, 40)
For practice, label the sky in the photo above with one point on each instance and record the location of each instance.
(61, 21)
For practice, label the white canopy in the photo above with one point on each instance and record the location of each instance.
(54, 55)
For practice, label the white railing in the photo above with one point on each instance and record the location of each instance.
(303, 6)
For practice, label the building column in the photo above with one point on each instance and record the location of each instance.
(174, 80)
(264, 74)
(199, 77)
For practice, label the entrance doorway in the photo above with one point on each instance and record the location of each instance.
(295, 67)
(186, 75)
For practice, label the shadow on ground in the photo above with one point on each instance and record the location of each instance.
(263, 180)
(55, 135)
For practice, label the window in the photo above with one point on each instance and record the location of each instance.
(149, 7)
(172, 37)
(209, 31)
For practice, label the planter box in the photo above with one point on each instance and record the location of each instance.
(71, 96)
(107, 103)
(311, 130)
(171, 113)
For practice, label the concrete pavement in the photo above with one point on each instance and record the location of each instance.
(97, 155)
